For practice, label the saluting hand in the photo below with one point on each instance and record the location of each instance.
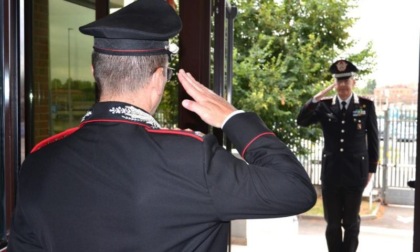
(211, 108)
(324, 92)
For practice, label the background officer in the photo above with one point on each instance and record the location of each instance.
(120, 182)
(350, 154)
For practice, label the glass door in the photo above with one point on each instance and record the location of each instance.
(72, 89)
(63, 87)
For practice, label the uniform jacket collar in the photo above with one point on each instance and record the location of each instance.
(355, 99)
(119, 111)
(335, 106)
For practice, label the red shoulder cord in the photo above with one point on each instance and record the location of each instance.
(54, 138)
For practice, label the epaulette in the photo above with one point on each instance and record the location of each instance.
(53, 139)
(366, 98)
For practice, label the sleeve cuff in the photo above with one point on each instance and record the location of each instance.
(230, 116)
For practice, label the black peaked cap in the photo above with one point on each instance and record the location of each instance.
(343, 69)
(140, 28)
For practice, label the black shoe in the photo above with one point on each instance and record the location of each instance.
(3, 244)
(411, 183)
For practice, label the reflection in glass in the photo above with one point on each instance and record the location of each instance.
(71, 88)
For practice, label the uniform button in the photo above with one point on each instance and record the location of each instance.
(342, 131)
(341, 149)
(363, 158)
(342, 140)
(325, 155)
(343, 122)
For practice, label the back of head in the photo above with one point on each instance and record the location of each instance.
(117, 74)
(131, 43)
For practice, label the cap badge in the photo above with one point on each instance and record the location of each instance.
(341, 66)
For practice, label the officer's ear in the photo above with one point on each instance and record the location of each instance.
(158, 80)
(159, 75)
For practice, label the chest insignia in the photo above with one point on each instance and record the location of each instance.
(359, 112)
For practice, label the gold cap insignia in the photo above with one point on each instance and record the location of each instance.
(341, 66)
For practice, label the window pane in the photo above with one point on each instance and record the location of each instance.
(63, 86)
(71, 82)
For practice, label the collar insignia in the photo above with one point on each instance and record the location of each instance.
(134, 114)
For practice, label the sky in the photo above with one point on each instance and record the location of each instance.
(394, 29)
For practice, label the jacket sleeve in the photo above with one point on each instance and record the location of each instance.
(22, 237)
(268, 182)
(372, 138)
(307, 114)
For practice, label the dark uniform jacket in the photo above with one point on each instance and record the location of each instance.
(351, 145)
(121, 183)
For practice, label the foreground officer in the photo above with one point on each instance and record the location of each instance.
(350, 154)
(122, 183)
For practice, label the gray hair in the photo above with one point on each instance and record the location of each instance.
(118, 74)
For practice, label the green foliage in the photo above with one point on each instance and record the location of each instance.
(368, 89)
(81, 90)
(282, 54)
(167, 113)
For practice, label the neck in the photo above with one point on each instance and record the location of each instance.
(132, 99)
(343, 98)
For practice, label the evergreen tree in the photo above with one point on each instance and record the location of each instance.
(283, 50)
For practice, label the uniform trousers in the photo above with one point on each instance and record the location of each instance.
(341, 211)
